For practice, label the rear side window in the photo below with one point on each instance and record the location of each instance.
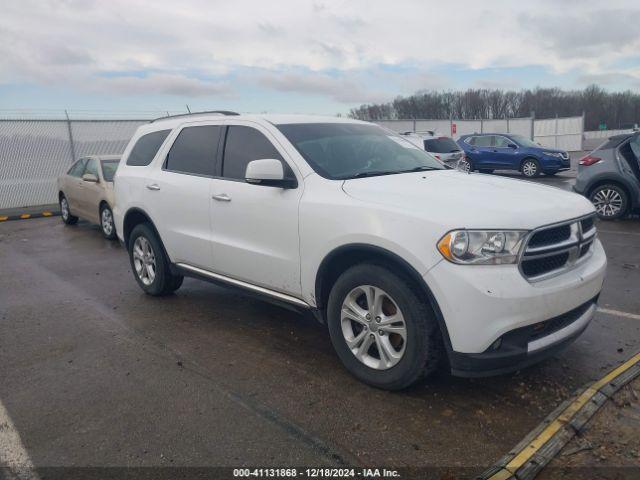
(92, 167)
(441, 145)
(243, 145)
(483, 141)
(77, 168)
(109, 168)
(146, 148)
(194, 151)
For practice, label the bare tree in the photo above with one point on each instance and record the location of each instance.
(614, 109)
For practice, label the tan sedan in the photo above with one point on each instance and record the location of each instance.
(86, 191)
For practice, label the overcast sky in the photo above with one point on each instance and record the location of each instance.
(303, 56)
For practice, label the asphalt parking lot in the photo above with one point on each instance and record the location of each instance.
(95, 373)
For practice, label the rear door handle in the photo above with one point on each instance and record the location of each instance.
(223, 197)
(153, 186)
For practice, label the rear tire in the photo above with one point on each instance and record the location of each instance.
(150, 263)
(395, 307)
(530, 168)
(610, 200)
(107, 224)
(65, 213)
(465, 165)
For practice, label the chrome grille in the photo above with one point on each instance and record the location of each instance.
(554, 249)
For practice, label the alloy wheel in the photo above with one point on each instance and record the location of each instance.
(608, 202)
(144, 260)
(64, 209)
(529, 169)
(107, 221)
(373, 327)
(464, 165)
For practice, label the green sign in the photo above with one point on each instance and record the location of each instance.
(602, 126)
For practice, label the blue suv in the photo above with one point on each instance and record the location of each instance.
(487, 152)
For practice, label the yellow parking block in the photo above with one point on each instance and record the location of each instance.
(3, 218)
(25, 215)
(527, 453)
(46, 214)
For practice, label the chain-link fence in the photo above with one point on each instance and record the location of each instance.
(36, 149)
(33, 153)
(456, 128)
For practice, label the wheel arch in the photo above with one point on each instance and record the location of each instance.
(529, 156)
(132, 218)
(346, 256)
(632, 199)
(102, 204)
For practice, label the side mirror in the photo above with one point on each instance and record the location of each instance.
(268, 172)
(90, 177)
(512, 145)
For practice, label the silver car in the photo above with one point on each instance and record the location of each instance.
(610, 176)
(86, 191)
(442, 147)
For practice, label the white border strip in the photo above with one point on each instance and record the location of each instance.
(618, 313)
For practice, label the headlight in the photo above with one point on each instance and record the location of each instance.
(552, 154)
(482, 247)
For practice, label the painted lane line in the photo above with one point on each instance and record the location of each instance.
(13, 455)
(618, 313)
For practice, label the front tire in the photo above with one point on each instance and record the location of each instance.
(106, 223)
(530, 168)
(65, 213)
(610, 200)
(382, 328)
(150, 263)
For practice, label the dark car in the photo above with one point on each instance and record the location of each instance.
(487, 152)
(610, 176)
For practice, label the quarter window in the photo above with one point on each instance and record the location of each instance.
(77, 168)
(243, 145)
(145, 149)
(194, 151)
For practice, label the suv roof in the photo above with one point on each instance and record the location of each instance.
(488, 133)
(275, 119)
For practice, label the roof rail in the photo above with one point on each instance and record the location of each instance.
(219, 112)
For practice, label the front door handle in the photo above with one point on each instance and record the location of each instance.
(223, 197)
(153, 186)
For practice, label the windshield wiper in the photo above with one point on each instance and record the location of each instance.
(422, 168)
(374, 173)
(377, 173)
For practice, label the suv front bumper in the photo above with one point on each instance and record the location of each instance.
(495, 319)
(525, 346)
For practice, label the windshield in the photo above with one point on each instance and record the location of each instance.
(524, 141)
(348, 150)
(109, 169)
(441, 145)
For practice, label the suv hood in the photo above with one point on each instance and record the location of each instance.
(460, 200)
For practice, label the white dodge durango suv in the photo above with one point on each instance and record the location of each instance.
(409, 263)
